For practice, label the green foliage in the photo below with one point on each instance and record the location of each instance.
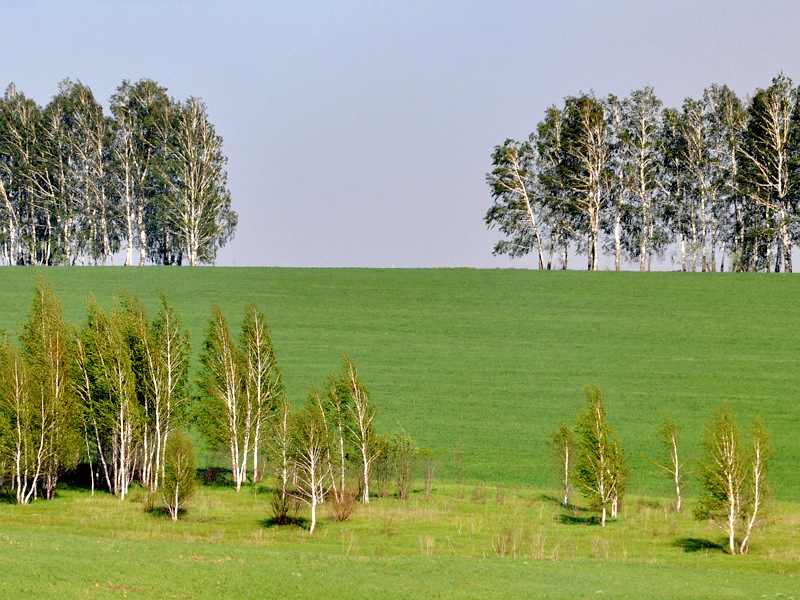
(180, 473)
(600, 471)
(733, 480)
(48, 346)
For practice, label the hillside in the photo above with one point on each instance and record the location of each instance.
(492, 360)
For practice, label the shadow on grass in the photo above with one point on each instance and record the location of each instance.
(295, 521)
(160, 512)
(697, 545)
(573, 508)
(573, 519)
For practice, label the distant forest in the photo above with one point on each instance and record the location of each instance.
(717, 180)
(78, 186)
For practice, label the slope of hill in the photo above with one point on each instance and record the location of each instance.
(492, 360)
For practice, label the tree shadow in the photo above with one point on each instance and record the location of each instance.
(573, 508)
(573, 519)
(300, 522)
(697, 545)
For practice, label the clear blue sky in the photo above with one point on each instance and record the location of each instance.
(359, 133)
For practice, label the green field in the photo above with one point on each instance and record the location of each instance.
(493, 360)
(485, 361)
(490, 543)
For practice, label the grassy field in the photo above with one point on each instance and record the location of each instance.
(485, 361)
(487, 543)
(492, 360)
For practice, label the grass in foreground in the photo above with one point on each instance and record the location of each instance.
(492, 542)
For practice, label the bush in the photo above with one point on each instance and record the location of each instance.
(284, 507)
(342, 505)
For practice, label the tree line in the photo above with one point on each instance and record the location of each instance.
(117, 398)
(719, 178)
(78, 185)
(732, 471)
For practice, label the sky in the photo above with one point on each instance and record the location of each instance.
(359, 134)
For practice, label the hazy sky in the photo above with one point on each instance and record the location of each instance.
(360, 133)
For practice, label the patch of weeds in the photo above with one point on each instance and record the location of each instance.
(479, 493)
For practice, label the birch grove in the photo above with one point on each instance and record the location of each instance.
(77, 185)
(711, 185)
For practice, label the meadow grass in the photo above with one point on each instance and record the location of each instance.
(487, 542)
(492, 360)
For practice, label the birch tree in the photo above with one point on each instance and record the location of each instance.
(311, 445)
(362, 414)
(600, 471)
(677, 184)
(47, 345)
(722, 476)
(726, 122)
(404, 452)
(618, 209)
(22, 439)
(765, 169)
(640, 138)
(733, 481)
(180, 473)
(106, 366)
(562, 444)
(757, 492)
(698, 161)
(517, 200)
(20, 127)
(139, 129)
(585, 166)
(263, 386)
(88, 153)
(558, 216)
(672, 463)
(196, 207)
(161, 360)
(281, 453)
(227, 418)
(334, 411)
